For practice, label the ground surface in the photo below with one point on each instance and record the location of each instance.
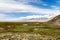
(29, 31)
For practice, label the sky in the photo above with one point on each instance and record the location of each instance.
(26, 9)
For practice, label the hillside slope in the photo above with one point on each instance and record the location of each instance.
(55, 21)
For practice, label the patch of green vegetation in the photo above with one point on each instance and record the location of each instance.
(29, 27)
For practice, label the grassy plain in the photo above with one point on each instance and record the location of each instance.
(40, 28)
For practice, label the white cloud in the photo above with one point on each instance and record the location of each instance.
(20, 1)
(14, 7)
(2, 15)
(34, 16)
(25, 8)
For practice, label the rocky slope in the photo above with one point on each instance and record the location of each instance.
(55, 20)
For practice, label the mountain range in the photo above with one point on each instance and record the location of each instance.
(42, 19)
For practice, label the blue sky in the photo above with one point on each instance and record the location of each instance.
(27, 9)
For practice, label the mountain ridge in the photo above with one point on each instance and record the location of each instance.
(55, 21)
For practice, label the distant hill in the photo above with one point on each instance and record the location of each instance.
(55, 20)
(42, 19)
